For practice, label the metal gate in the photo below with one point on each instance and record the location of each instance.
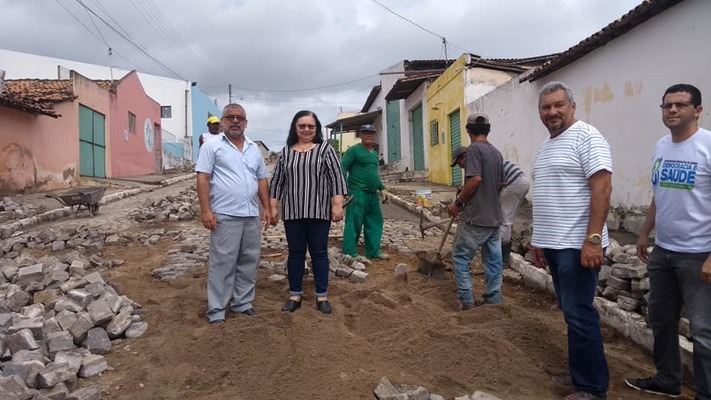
(92, 143)
(418, 141)
(392, 114)
(455, 132)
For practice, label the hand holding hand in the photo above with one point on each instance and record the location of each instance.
(336, 212)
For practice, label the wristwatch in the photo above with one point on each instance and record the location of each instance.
(460, 203)
(594, 238)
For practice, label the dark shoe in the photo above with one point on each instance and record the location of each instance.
(324, 306)
(650, 385)
(583, 396)
(216, 321)
(249, 312)
(467, 306)
(291, 305)
(564, 382)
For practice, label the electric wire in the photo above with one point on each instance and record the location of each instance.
(138, 47)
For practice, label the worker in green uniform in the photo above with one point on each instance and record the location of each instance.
(360, 165)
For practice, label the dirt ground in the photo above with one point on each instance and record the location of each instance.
(408, 330)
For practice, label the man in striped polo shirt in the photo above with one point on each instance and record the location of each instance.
(510, 197)
(572, 177)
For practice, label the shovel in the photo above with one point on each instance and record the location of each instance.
(431, 264)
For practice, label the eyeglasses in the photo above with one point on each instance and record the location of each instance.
(239, 118)
(306, 126)
(678, 104)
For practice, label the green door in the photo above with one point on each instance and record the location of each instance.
(455, 132)
(392, 114)
(418, 140)
(92, 143)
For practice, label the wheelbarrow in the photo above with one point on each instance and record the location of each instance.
(88, 197)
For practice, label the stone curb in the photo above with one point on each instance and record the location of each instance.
(8, 230)
(168, 182)
(414, 209)
(630, 325)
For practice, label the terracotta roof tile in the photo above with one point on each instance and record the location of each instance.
(638, 15)
(41, 90)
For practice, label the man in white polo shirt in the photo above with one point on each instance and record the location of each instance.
(231, 182)
(571, 198)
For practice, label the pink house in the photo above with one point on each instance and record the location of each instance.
(135, 134)
(52, 132)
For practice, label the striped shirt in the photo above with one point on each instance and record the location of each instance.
(561, 195)
(305, 182)
(511, 172)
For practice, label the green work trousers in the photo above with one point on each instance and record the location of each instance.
(363, 213)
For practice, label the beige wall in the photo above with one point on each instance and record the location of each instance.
(34, 151)
(618, 89)
(38, 152)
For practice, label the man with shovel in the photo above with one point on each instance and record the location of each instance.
(479, 212)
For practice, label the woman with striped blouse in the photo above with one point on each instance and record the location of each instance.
(309, 183)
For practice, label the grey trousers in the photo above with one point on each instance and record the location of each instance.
(675, 282)
(235, 250)
(510, 199)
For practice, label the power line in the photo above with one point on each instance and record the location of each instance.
(408, 20)
(445, 42)
(139, 48)
(93, 34)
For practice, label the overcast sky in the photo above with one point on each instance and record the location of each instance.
(282, 56)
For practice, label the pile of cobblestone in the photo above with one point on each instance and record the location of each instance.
(11, 210)
(58, 318)
(191, 251)
(82, 238)
(184, 206)
(625, 279)
(387, 391)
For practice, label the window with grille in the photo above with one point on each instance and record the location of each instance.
(434, 133)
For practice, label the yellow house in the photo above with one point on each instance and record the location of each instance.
(465, 80)
(445, 103)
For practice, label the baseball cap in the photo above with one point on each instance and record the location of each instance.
(367, 128)
(456, 154)
(213, 120)
(478, 118)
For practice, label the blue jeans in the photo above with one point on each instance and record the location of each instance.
(300, 234)
(467, 241)
(675, 282)
(575, 288)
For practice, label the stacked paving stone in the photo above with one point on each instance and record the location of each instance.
(81, 238)
(188, 254)
(10, 210)
(184, 206)
(58, 318)
(625, 281)
(387, 391)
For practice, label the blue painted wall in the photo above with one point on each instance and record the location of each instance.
(202, 106)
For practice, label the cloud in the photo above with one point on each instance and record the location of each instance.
(271, 51)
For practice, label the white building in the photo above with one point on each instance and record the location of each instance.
(618, 76)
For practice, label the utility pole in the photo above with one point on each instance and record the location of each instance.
(230, 91)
